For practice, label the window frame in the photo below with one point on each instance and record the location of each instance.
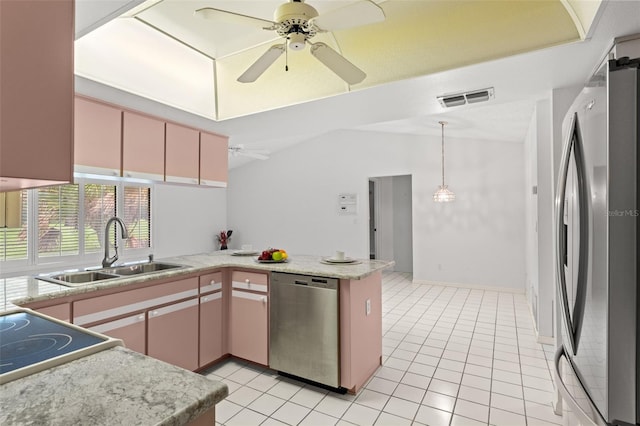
(35, 263)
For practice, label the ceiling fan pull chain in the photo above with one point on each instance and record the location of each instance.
(286, 55)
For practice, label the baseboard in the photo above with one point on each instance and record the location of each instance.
(471, 286)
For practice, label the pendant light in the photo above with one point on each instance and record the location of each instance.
(443, 195)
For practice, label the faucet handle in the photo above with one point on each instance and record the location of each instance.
(151, 257)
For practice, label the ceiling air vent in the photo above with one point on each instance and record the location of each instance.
(448, 101)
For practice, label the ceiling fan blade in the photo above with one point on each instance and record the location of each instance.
(337, 63)
(269, 57)
(213, 14)
(255, 155)
(364, 12)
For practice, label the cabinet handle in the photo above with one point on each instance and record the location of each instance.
(212, 282)
(205, 299)
(128, 174)
(264, 299)
(141, 317)
(154, 313)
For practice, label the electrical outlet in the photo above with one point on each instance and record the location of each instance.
(367, 306)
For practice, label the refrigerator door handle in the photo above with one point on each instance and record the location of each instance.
(573, 323)
(585, 419)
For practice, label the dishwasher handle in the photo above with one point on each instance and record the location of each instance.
(300, 282)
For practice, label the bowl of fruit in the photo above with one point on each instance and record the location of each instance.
(272, 255)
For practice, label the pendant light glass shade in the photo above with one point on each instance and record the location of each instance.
(443, 194)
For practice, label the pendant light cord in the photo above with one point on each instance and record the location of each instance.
(442, 123)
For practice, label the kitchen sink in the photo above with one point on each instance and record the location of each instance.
(73, 279)
(80, 278)
(141, 268)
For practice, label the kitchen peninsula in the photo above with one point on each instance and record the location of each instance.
(191, 293)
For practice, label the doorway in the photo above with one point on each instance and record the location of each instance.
(390, 220)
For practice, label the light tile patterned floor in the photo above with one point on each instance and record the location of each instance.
(451, 356)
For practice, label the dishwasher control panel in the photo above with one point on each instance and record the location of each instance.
(308, 280)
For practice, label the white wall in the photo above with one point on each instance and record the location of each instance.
(402, 222)
(187, 219)
(290, 201)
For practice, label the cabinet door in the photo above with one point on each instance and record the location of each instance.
(210, 328)
(61, 311)
(142, 147)
(97, 138)
(248, 334)
(214, 160)
(173, 334)
(182, 154)
(36, 100)
(130, 329)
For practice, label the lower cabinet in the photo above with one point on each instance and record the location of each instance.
(210, 328)
(249, 317)
(173, 334)
(131, 330)
(61, 311)
(159, 320)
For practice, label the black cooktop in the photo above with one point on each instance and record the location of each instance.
(27, 338)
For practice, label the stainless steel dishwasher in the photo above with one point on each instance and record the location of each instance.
(304, 336)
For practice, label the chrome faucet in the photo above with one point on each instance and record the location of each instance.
(108, 261)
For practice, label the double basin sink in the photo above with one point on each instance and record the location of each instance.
(80, 278)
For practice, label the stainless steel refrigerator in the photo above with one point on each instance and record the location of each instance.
(597, 221)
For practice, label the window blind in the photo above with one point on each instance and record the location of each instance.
(58, 221)
(99, 207)
(137, 216)
(13, 225)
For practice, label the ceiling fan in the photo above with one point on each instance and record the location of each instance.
(240, 149)
(297, 22)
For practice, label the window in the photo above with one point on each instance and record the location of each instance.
(137, 216)
(58, 233)
(99, 207)
(50, 224)
(13, 225)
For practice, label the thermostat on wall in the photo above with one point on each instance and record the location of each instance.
(348, 203)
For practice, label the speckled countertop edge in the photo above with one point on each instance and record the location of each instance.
(27, 289)
(115, 386)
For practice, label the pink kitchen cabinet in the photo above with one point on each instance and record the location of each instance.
(214, 159)
(36, 100)
(131, 330)
(360, 330)
(142, 146)
(212, 319)
(172, 334)
(61, 311)
(97, 138)
(182, 154)
(249, 317)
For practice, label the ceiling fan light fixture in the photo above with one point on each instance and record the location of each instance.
(297, 41)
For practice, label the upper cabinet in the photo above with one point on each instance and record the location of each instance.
(142, 147)
(214, 159)
(182, 154)
(113, 141)
(98, 138)
(36, 100)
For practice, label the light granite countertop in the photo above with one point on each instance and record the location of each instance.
(27, 289)
(113, 387)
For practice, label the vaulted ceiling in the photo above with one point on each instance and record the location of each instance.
(162, 51)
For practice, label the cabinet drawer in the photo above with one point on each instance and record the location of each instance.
(113, 305)
(210, 282)
(250, 281)
(132, 331)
